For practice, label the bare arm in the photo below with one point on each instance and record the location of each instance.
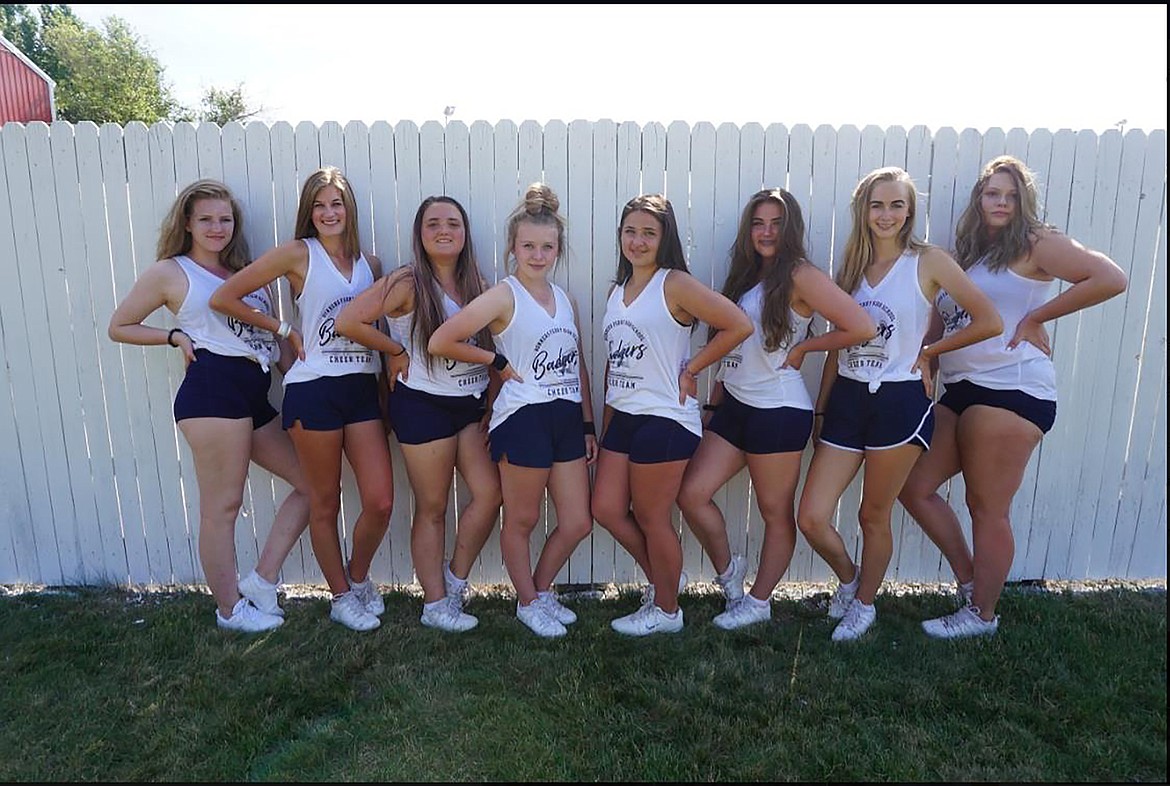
(1094, 277)
(161, 284)
(684, 291)
(360, 318)
(586, 393)
(493, 310)
(289, 259)
(814, 291)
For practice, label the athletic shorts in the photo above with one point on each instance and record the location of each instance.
(540, 435)
(959, 395)
(222, 386)
(899, 413)
(331, 403)
(418, 417)
(761, 431)
(649, 439)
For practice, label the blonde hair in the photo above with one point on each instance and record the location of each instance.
(174, 238)
(329, 176)
(539, 206)
(859, 247)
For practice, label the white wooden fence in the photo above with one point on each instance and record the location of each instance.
(96, 487)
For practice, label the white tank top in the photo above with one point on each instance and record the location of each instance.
(902, 315)
(989, 362)
(753, 375)
(445, 377)
(325, 293)
(217, 332)
(647, 351)
(542, 349)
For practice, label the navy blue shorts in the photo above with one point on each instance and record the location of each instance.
(331, 403)
(418, 417)
(649, 439)
(957, 396)
(221, 386)
(760, 431)
(899, 413)
(539, 435)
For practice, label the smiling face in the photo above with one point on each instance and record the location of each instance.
(999, 201)
(536, 248)
(767, 223)
(641, 235)
(329, 212)
(443, 233)
(211, 224)
(889, 209)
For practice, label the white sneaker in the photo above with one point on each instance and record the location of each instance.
(731, 580)
(648, 593)
(455, 587)
(539, 620)
(743, 612)
(963, 623)
(966, 593)
(262, 593)
(557, 610)
(246, 618)
(367, 592)
(349, 610)
(856, 622)
(843, 597)
(647, 620)
(446, 615)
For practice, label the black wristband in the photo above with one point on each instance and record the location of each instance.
(399, 354)
(709, 407)
(818, 414)
(171, 336)
(589, 428)
(499, 362)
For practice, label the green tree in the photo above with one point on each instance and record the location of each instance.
(224, 106)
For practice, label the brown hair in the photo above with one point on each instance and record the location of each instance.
(174, 239)
(329, 176)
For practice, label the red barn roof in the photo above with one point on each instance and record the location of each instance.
(26, 92)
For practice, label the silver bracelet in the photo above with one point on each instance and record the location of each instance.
(284, 329)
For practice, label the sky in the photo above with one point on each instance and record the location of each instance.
(979, 66)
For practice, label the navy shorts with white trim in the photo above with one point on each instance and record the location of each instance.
(898, 413)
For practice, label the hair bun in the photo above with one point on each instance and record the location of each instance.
(538, 198)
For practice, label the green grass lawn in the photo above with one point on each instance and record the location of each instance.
(114, 685)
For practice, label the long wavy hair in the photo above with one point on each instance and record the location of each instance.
(670, 250)
(972, 240)
(539, 207)
(428, 294)
(174, 239)
(747, 267)
(859, 247)
(329, 176)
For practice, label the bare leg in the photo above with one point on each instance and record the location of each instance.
(829, 474)
(273, 450)
(319, 453)
(523, 492)
(885, 472)
(568, 485)
(715, 462)
(774, 479)
(221, 448)
(921, 499)
(995, 445)
(368, 454)
(654, 488)
(478, 518)
(611, 506)
(431, 469)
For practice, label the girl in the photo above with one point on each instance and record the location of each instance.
(652, 421)
(331, 406)
(436, 406)
(763, 414)
(222, 405)
(875, 397)
(541, 430)
(999, 394)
